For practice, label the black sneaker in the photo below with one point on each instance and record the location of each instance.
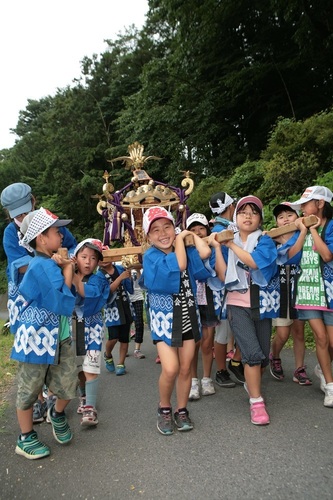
(222, 378)
(237, 370)
(164, 421)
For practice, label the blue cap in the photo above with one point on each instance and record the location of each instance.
(17, 199)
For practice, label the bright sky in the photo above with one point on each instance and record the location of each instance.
(43, 41)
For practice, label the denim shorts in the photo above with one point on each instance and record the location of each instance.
(325, 316)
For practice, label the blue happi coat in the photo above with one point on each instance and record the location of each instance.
(215, 284)
(118, 309)
(18, 257)
(264, 281)
(43, 298)
(161, 278)
(89, 307)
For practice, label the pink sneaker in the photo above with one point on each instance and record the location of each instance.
(259, 415)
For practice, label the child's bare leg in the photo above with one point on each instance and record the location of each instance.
(322, 347)
(82, 381)
(109, 345)
(220, 355)
(281, 337)
(185, 354)
(297, 332)
(61, 404)
(169, 371)
(231, 344)
(194, 364)
(207, 343)
(24, 418)
(253, 380)
(123, 348)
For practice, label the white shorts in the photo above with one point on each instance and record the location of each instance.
(223, 332)
(92, 362)
(282, 322)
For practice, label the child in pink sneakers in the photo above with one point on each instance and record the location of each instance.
(250, 269)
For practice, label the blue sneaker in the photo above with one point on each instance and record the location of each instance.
(109, 364)
(120, 370)
(61, 430)
(39, 411)
(31, 447)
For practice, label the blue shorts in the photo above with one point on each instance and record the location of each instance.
(325, 316)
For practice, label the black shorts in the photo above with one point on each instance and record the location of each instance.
(186, 336)
(120, 332)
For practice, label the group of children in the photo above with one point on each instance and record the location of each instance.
(240, 287)
(56, 303)
(199, 295)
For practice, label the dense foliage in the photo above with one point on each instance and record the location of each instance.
(237, 92)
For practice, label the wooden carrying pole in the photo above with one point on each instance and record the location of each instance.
(222, 236)
(309, 221)
(114, 254)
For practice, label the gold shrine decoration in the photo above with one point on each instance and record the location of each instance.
(188, 182)
(136, 159)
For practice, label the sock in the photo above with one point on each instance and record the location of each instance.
(194, 380)
(24, 435)
(57, 414)
(91, 392)
(256, 400)
(204, 379)
(182, 410)
(166, 410)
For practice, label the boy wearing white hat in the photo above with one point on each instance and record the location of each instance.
(42, 343)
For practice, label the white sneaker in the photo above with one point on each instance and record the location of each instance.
(207, 387)
(318, 372)
(328, 399)
(195, 390)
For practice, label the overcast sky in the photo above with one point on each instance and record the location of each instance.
(43, 41)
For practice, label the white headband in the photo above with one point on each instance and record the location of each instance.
(222, 207)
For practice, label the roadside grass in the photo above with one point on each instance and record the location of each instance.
(7, 366)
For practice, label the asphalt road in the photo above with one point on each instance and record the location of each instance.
(224, 457)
